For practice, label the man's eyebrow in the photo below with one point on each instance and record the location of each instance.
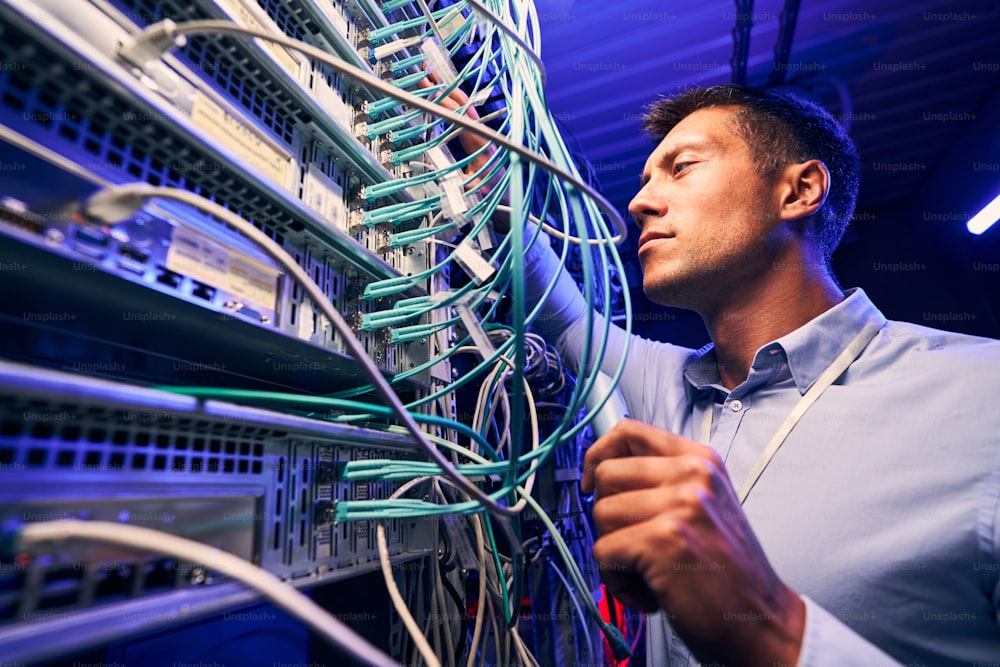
(668, 157)
(696, 145)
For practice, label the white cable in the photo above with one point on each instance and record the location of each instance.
(532, 415)
(34, 535)
(496, 628)
(498, 22)
(395, 46)
(433, 618)
(383, 87)
(111, 204)
(435, 28)
(390, 583)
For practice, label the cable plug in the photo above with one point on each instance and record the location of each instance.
(617, 641)
(151, 43)
(111, 205)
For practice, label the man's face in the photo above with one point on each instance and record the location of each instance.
(709, 223)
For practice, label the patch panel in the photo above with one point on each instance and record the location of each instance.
(187, 160)
(191, 257)
(170, 296)
(242, 479)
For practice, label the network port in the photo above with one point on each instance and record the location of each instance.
(160, 575)
(132, 254)
(240, 309)
(165, 276)
(203, 291)
(21, 220)
(114, 581)
(92, 235)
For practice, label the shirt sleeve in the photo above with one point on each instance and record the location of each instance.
(827, 642)
(564, 305)
(562, 318)
(652, 368)
(563, 315)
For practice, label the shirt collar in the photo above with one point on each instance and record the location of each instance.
(808, 351)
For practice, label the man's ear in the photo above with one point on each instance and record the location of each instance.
(805, 188)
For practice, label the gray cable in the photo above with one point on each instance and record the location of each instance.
(113, 204)
(155, 33)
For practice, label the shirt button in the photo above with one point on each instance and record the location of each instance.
(736, 406)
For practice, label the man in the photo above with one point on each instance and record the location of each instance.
(844, 508)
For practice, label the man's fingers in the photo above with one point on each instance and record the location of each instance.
(456, 99)
(630, 473)
(621, 558)
(629, 508)
(632, 438)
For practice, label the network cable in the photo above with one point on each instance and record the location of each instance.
(165, 35)
(32, 537)
(111, 205)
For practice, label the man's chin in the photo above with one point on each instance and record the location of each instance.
(670, 294)
(664, 297)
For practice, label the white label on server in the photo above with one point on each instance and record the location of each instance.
(305, 320)
(330, 99)
(196, 255)
(323, 195)
(245, 17)
(252, 280)
(238, 138)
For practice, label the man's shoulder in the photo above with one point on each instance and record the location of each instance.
(937, 353)
(920, 336)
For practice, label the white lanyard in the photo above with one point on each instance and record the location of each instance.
(827, 378)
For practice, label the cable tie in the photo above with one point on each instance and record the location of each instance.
(485, 238)
(479, 336)
(480, 96)
(454, 205)
(438, 61)
(438, 158)
(473, 262)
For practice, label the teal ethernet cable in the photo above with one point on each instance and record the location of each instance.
(211, 26)
(163, 35)
(120, 201)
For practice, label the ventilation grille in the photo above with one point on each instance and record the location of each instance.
(226, 61)
(48, 588)
(78, 110)
(40, 435)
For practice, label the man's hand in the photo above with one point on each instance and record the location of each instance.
(471, 142)
(673, 536)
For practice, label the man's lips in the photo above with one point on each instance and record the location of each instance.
(652, 236)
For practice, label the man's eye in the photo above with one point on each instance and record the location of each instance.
(681, 166)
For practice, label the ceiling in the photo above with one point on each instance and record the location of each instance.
(917, 83)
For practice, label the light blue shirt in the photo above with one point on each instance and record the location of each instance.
(881, 508)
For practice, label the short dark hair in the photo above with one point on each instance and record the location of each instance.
(780, 129)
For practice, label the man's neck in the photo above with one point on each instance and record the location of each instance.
(739, 329)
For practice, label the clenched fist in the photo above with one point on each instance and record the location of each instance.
(674, 537)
